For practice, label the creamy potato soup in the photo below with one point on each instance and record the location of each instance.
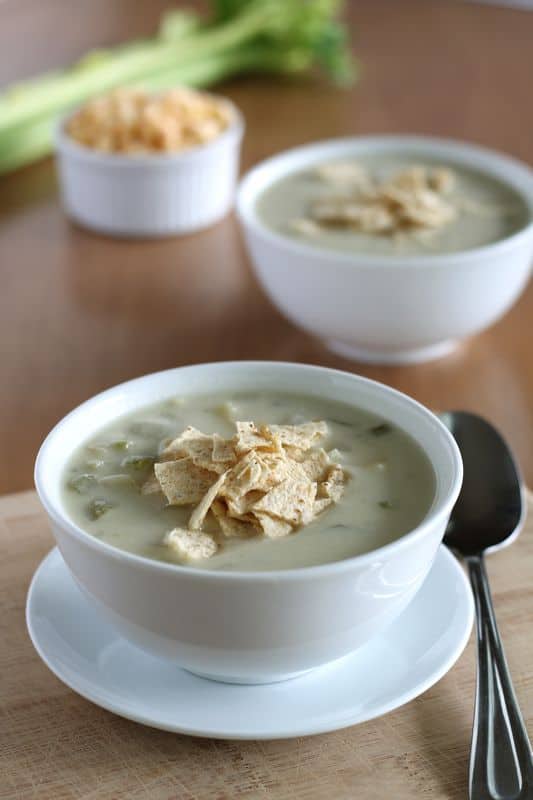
(392, 205)
(366, 482)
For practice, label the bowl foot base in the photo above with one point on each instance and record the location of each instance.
(249, 681)
(413, 356)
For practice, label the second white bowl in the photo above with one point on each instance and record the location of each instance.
(150, 195)
(388, 309)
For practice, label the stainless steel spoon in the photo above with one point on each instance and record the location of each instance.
(488, 515)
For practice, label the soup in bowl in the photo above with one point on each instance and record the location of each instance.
(391, 249)
(249, 520)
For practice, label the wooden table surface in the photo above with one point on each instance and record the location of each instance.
(80, 312)
(54, 745)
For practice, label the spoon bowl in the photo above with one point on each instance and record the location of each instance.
(490, 511)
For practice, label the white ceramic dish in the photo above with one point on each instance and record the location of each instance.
(241, 626)
(150, 195)
(84, 651)
(388, 309)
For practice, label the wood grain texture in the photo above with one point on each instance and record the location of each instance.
(79, 312)
(55, 745)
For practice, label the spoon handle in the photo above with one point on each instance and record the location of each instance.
(501, 765)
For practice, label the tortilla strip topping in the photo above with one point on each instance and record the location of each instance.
(417, 199)
(267, 480)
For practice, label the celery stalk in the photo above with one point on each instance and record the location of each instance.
(78, 85)
(31, 142)
(244, 35)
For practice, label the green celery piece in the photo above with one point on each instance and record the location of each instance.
(226, 9)
(380, 430)
(333, 53)
(16, 91)
(137, 463)
(35, 141)
(155, 56)
(176, 25)
(280, 36)
(30, 144)
(287, 22)
(97, 507)
(253, 59)
(82, 484)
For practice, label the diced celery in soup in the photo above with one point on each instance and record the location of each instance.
(386, 482)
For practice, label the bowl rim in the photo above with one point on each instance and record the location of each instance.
(60, 517)
(247, 195)
(66, 145)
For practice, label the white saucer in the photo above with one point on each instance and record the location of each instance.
(84, 652)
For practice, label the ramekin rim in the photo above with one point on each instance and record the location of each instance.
(66, 145)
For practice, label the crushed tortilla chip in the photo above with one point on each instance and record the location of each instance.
(304, 435)
(130, 120)
(182, 482)
(321, 504)
(266, 480)
(195, 445)
(200, 512)
(295, 453)
(237, 506)
(256, 471)
(418, 198)
(232, 527)
(333, 486)
(248, 438)
(272, 527)
(343, 172)
(244, 476)
(191, 545)
(315, 463)
(442, 180)
(290, 500)
(223, 451)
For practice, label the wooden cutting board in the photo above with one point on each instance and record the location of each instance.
(55, 745)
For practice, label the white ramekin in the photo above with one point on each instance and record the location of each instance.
(388, 309)
(243, 626)
(149, 195)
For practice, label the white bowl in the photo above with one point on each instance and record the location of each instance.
(150, 195)
(388, 309)
(250, 627)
